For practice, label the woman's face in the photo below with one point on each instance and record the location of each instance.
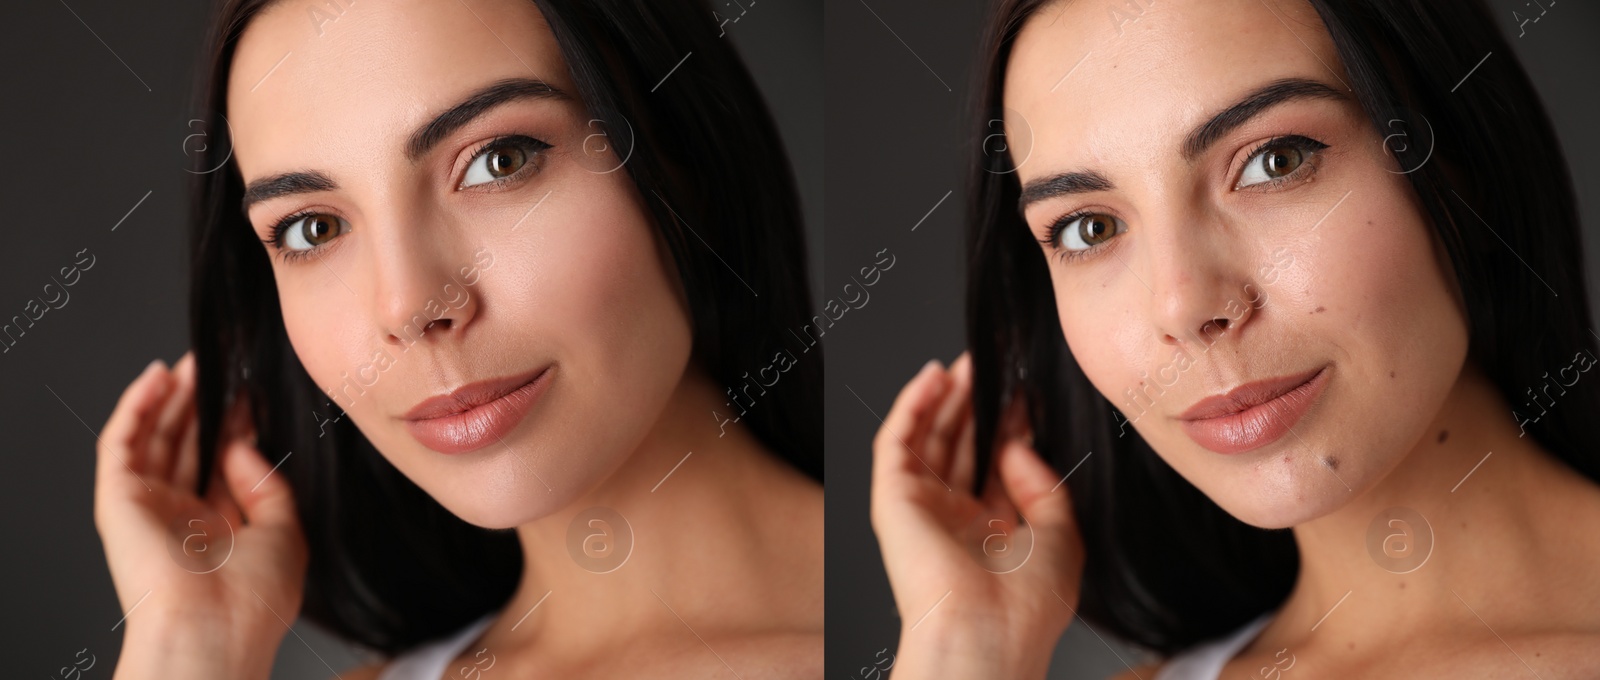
(1194, 253)
(445, 172)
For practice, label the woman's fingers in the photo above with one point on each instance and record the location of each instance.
(907, 422)
(218, 495)
(175, 413)
(964, 456)
(261, 492)
(186, 463)
(118, 457)
(954, 410)
(1036, 490)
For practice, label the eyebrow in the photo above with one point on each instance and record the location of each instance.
(421, 141)
(1197, 141)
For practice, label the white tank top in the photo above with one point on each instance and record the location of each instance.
(430, 661)
(1205, 661)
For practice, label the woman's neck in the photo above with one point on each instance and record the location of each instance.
(725, 536)
(1500, 511)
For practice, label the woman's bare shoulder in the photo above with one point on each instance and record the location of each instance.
(368, 672)
(781, 655)
(1144, 671)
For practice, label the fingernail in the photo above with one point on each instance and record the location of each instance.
(151, 367)
(932, 363)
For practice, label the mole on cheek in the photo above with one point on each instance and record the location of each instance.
(1443, 435)
(1331, 462)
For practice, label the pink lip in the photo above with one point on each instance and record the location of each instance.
(1254, 414)
(475, 415)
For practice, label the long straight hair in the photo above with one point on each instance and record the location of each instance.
(1166, 566)
(390, 567)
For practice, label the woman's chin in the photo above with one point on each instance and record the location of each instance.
(505, 508)
(1284, 505)
(504, 491)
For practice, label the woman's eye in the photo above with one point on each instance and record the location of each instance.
(311, 231)
(1277, 160)
(1088, 231)
(500, 160)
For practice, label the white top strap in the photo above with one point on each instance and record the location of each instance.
(430, 661)
(1205, 661)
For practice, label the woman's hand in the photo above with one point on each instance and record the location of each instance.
(980, 594)
(212, 582)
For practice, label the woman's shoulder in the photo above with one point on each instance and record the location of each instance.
(369, 672)
(781, 655)
(1140, 672)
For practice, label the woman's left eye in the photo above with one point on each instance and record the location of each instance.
(502, 159)
(1278, 159)
(307, 231)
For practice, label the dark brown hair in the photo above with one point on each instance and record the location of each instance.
(389, 566)
(1167, 567)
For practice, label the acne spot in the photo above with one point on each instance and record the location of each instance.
(1443, 435)
(1402, 585)
(1285, 459)
(1353, 645)
(1391, 374)
(1320, 309)
(1369, 221)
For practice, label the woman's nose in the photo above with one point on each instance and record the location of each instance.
(1200, 289)
(417, 292)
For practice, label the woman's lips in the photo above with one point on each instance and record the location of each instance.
(475, 415)
(1253, 415)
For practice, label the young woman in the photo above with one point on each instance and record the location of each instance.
(1279, 350)
(486, 299)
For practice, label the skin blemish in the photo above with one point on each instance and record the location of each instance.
(1320, 309)
(1402, 585)
(1331, 462)
(1391, 374)
(1443, 435)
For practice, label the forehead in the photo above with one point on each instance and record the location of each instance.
(309, 79)
(1095, 81)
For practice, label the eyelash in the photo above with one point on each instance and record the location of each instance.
(531, 146)
(534, 148)
(1053, 237)
(1306, 145)
(281, 227)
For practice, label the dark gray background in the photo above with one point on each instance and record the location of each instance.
(90, 128)
(894, 148)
